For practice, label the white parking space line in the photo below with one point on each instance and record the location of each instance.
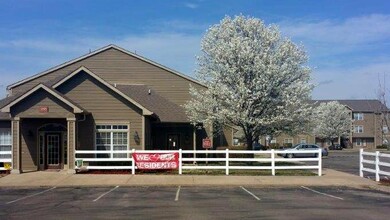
(116, 187)
(324, 194)
(35, 194)
(250, 193)
(177, 194)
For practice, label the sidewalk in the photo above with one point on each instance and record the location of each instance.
(62, 179)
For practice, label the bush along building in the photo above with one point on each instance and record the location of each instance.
(109, 99)
(368, 128)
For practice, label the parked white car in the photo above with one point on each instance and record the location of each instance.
(303, 148)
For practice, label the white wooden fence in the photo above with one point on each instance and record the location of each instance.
(7, 160)
(223, 159)
(376, 161)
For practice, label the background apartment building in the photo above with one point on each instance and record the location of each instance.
(368, 128)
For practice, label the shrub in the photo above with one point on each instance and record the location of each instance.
(233, 155)
(274, 146)
(384, 146)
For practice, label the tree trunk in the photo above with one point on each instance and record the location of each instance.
(249, 146)
(249, 142)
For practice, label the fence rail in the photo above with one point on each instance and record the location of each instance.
(224, 157)
(5, 161)
(376, 162)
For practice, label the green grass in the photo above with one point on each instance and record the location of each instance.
(233, 172)
(250, 172)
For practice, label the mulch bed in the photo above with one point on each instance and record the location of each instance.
(138, 172)
(385, 182)
(4, 173)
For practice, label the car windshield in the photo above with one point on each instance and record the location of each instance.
(297, 145)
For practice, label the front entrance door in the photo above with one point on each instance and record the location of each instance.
(173, 141)
(53, 151)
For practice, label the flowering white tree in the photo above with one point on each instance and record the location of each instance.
(256, 79)
(383, 97)
(331, 120)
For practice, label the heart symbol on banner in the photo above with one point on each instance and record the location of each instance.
(154, 157)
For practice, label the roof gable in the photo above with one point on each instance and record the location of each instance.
(113, 88)
(16, 99)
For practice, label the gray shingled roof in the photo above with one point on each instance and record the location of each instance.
(164, 109)
(360, 105)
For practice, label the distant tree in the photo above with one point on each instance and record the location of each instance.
(256, 79)
(383, 96)
(331, 120)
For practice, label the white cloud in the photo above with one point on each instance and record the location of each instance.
(356, 30)
(46, 45)
(348, 83)
(191, 5)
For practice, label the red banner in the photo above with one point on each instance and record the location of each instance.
(156, 161)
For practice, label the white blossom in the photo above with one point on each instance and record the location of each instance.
(331, 120)
(256, 79)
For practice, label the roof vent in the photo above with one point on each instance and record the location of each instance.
(149, 92)
(115, 85)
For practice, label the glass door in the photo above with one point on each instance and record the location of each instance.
(53, 151)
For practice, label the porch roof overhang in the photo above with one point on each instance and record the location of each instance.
(59, 82)
(13, 100)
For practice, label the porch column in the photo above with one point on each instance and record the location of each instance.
(71, 143)
(15, 129)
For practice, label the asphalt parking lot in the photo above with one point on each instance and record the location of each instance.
(348, 161)
(193, 203)
(344, 161)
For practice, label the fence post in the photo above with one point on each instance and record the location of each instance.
(377, 178)
(180, 162)
(132, 162)
(361, 162)
(227, 162)
(273, 161)
(320, 162)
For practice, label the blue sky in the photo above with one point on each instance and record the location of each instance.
(348, 42)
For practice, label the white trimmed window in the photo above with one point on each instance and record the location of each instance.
(358, 129)
(303, 141)
(112, 138)
(357, 116)
(288, 141)
(5, 141)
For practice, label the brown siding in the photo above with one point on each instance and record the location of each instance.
(29, 107)
(29, 141)
(117, 67)
(225, 138)
(28, 144)
(85, 128)
(296, 139)
(104, 106)
(368, 124)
